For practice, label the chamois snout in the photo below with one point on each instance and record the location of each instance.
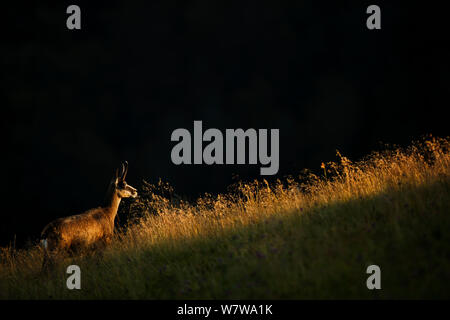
(134, 193)
(127, 192)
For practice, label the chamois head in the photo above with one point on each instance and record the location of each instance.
(122, 189)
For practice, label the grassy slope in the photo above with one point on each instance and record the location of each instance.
(276, 243)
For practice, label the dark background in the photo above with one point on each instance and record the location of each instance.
(77, 102)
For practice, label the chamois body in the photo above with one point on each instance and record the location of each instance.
(82, 230)
(91, 228)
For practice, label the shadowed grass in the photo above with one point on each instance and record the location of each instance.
(303, 238)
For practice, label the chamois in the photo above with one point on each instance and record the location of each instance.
(91, 228)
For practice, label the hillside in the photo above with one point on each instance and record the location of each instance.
(306, 237)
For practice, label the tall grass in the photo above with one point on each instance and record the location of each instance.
(305, 237)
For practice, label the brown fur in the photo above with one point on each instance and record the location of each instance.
(92, 228)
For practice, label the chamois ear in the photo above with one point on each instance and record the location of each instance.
(124, 170)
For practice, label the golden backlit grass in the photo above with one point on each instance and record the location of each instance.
(380, 173)
(304, 237)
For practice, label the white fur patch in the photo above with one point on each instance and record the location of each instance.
(44, 243)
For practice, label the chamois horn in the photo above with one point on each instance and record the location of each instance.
(124, 170)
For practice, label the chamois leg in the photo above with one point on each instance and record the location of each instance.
(49, 261)
(52, 252)
(100, 246)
